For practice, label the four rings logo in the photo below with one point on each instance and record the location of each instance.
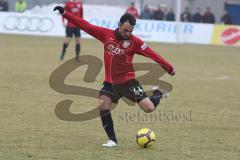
(31, 24)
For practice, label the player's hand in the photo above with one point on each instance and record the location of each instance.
(59, 8)
(173, 72)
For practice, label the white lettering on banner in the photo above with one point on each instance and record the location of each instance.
(165, 27)
(108, 23)
(162, 31)
(233, 35)
(146, 26)
(147, 30)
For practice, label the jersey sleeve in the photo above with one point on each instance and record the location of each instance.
(141, 48)
(95, 31)
(66, 9)
(81, 11)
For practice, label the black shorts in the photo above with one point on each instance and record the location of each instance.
(132, 90)
(70, 31)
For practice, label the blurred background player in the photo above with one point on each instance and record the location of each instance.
(76, 8)
(132, 10)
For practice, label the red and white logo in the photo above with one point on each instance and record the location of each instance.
(113, 49)
(126, 44)
(231, 36)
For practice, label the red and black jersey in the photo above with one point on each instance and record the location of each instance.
(75, 8)
(118, 54)
(133, 11)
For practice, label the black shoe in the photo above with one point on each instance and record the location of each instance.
(77, 58)
(61, 57)
(162, 93)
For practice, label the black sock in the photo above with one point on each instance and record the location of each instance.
(155, 98)
(77, 49)
(107, 124)
(65, 45)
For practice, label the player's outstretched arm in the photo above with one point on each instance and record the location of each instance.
(160, 60)
(146, 51)
(95, 31)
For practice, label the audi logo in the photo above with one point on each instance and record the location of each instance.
(32, 24)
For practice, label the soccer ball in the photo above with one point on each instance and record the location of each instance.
(145, 138)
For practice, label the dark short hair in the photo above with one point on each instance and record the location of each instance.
(128, 18)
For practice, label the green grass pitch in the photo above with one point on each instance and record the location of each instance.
(204, 103)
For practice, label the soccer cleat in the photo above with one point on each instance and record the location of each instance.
(162, 93)
(61, 57)
(155, 88)
(110, 143)
(77, 58)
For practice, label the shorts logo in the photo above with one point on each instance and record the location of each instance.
(126, 44)
(138, 91)
(113, 50)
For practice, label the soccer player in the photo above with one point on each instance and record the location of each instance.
(119, 48)
(132, 10)
(74, 7)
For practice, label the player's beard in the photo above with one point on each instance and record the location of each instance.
(119, 36)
